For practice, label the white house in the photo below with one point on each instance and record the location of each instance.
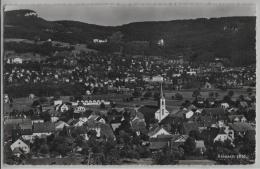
(21, 145)
(189, 114)
(62, 107)
(224, 105)
(6, 98)
(17, 60)
(57, 102)
(224, 135)
(157, 132)
(100, 41)
(79, 109)
(160, 42)
(157, 78)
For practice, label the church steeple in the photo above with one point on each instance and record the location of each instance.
(162, 92)
(162, 112)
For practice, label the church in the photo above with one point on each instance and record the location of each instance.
(162, 112)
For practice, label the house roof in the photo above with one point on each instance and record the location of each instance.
(43, 127)
(72, 122)
(179, 138)
(59, 123)
(154, 130)
(241, 126)
(232, 117)
(213, 111)
(17, 150)
(105, 129)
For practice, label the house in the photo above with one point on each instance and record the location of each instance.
(178, 140)
(43, 129)
(104, 131)
(157, 78)
(79, 109)
(100, 41)
(116, 122)
(224, 105)
(17, 60)
(207, 85)
(200, 146)
(160, 142)
(189, 114)
(60, 125)
(57, 102)
(157, 131)
(21, 145)
(243, 104)
(17, 152)
(222, 136)
(25, 128)
(162, 112)
(138, 125)
(62, 107)
(75, 122)
(237, 118)
(6, 98)
(240, 128)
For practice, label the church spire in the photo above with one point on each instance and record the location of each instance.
(161, 92)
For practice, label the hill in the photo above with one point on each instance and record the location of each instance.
(196, 39)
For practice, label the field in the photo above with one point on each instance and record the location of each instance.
(25, 103)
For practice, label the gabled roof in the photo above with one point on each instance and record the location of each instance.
(232, 117)
(153, 131)
(17, 151)
(180, 138)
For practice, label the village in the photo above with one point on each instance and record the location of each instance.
(94, 108)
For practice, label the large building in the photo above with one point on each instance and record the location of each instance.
(162, 112)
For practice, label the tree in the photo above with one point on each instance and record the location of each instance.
(45, 116)
(148, 94)
(231, 93)
(196, 93)
(102, 106)
(166, 157)
(178, 96)
(211, 94)
(44, 149)
(249, 90)
(189, 146)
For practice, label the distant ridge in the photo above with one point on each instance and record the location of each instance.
(228, 37)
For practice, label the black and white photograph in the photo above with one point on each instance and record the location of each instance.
(169, 84)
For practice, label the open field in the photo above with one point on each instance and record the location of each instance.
(24, 103)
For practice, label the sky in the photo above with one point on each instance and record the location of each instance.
(111, 15)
